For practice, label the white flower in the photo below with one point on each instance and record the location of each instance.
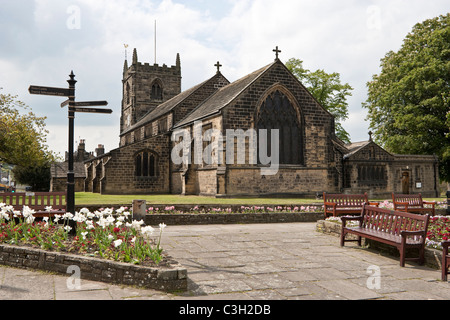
(110, 237)
(28, 214)
(84, 211)
(79, 217)
(84, 234)
(147, 231)
(117, 243)
(120, 210)
(162, 226)
(67, 228)
(57, 217)
(90, 215)
(126, 213)
(137, 224)
(67, 215)
(89, 224)
(48, 208)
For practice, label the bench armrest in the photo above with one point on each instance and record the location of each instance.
(330, 204)
(433, 203)
(405, 233)
(376, 204)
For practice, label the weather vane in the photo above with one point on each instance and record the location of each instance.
(126, 46)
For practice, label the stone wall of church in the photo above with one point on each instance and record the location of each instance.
(120, 171)
(316, 174)
(298, 182)
(422, 174)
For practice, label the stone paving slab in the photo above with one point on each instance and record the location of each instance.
(283, 261)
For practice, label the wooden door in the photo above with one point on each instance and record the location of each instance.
(405, 182)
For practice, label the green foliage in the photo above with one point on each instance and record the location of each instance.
(37, 176)
(328, 90)
(23, 142)
(22, 134)
(408, 102)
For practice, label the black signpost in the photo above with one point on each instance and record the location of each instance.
(73, 107)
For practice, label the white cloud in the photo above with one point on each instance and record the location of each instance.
(349, 37)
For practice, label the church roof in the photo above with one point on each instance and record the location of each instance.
(59, 169)
(167, 106)
(354, 147)
(222, 97)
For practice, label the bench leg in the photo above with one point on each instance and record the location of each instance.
(402, 251)
(445, 261)
(422, 255)
(342, 237)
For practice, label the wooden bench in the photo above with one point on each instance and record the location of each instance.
(412, 203)
(397, 228)
(445, 260)
(37, 201)
(339, 204)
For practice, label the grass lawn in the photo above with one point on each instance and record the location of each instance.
(87, 198)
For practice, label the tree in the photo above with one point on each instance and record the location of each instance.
(22, 139)
(328, 90)
(408, 102)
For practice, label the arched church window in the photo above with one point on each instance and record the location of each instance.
(146, 164)
(156, 93)
(277, 112)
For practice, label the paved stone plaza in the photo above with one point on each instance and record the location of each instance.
(258, 261)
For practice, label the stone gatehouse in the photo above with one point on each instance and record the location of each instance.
(311, 158)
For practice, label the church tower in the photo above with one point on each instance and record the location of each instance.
(145, 87)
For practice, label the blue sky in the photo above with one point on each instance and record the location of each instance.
(41, 41)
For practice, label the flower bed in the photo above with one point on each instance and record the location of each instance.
(100, 239)
(207, 209)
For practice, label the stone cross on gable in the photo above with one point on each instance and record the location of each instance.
(218, 65)
(276, 52)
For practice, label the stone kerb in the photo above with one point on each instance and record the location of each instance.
(172, 277)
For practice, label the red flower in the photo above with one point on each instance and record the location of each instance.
(116, 230)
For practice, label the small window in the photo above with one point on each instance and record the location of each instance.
(128, 93)
(146, 164)
(156, 91)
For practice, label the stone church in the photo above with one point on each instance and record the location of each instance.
(311, 159)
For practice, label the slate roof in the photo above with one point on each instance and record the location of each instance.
(354, 147)
(167, 106)
(59, 169)
(222, 97)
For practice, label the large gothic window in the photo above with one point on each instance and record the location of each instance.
(156, 93)
(277, 112)
(146, 164)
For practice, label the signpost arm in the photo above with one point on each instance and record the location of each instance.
(70, 198)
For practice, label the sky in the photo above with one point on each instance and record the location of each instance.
(42, 41)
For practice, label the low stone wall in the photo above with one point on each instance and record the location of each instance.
(433, 257)
(231, 218)
(171, 278)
